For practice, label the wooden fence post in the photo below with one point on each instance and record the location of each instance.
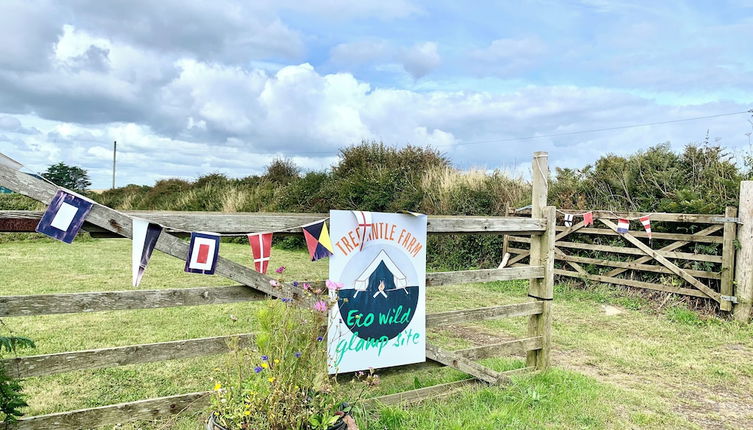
(728, 259)
(541, 254)
(744, 261)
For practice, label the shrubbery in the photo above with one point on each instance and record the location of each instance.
(372, 176)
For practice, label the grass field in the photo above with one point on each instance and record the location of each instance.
(619, 362)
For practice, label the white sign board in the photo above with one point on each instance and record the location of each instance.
(380, 316)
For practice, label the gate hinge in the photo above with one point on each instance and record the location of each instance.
(732, 299)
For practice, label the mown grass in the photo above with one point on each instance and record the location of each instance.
(631, 370)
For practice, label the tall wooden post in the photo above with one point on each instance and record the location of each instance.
(542, 254)
(728, 259)
(744, 261)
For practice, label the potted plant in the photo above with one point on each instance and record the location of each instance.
(281, 380)
(11, 396)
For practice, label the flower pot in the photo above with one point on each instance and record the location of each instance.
(212, 424)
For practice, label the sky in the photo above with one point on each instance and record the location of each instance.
(190, 87)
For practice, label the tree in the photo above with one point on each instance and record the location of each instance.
(71, 177)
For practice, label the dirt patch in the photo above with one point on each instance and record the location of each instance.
(709, 407)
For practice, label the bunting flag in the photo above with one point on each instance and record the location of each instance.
(317, 240)
(203, 251)
(623, 225)
(568, 220)
(363, 220)
(261, 249)
(588, 219)
(646, 221)
(145, 235)
(64, 216)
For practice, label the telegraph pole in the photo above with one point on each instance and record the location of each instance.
(114, 152)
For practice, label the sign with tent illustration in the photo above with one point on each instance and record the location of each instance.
(379, 262)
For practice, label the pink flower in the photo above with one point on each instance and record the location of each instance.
(280, 269)
(306, 286)
(334, 286)
(274, 283)
(320, 306)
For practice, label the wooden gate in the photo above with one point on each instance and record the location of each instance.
(255, 286)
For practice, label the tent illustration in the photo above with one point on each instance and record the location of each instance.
(381, 273)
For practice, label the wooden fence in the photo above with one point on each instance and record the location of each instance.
(254, 286)
(671, 262)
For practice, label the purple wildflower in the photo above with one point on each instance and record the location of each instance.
(298, 355)
(258, 369)
(264, 358)
(286, 300)
(319, 339)
(295, 283)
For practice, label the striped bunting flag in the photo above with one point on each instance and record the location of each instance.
(646, 221)
(623, 225)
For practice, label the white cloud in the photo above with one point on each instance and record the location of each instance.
(420, 59)
(507, 57)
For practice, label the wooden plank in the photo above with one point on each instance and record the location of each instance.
(744, 259)
(45, 304)
(692, 280)
(655, 216)
(433, 392)
(504, 311)
(434, 279)
(521, 255)
(670, 247)
(149, 409)
(632, 283)
(517, 346)
(560, 255)
(50, 364)
(120, 223)
(543, 291)
(634, 266)
(633, 251)
(250, 222)
(655, 235)
(452, 359)
(728, 259)
(421, 394)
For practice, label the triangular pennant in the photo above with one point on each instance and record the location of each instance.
(568, 220)
(363, 226)
(203, 251)
(145, 235)
(261, 249)
(588, 218)
(317, 240)
(646, 221)
(64, 216)
(623, 225)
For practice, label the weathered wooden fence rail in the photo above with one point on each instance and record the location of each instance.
(104, 222)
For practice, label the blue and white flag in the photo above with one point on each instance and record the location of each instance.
(145, 236)
(64, 216)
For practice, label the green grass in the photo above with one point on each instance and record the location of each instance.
(641, 368)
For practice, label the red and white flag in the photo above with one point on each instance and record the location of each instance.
(646, 221)
(588, 219)
(261, 248)
(364, 224)
(623, 225)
